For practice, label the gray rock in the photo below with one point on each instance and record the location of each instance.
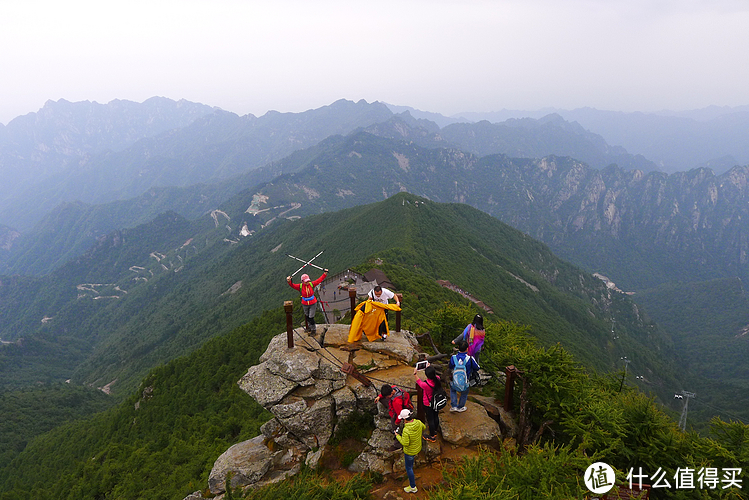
(314, 458)
(195, 496)
(264, 387)
(431, 451)
(288, 408)
(314, 425)
(473, 426)
(330, 367)
(295, 364)
(278, 345)
(246, 462)
(276, 476)
(381, 441)
(336, 335)
(382, 422)
(399, 350)
(368, 461)
(365, 396)
(287, 457)
(345, 399)
(272, 429)
(321, 388)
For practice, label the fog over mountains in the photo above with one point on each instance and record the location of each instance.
(80, 170)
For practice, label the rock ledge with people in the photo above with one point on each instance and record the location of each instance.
(310, 397)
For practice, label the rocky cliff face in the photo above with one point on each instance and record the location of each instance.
(689, 225)
(310, 397)
(641, 229)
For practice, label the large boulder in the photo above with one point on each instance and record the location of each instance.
(246, 463)
(295, 364)
(312, 425)
(473, 426)
(264, 387)
(279, 345)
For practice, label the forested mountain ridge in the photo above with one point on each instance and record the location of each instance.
(146, 295)
(638, 228)
(709, 322)
(162, 441)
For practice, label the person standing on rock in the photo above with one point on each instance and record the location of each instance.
(410, 438)
(383, 295)
(428, 386)
(309, 301)
(474, 334)
(461, 366)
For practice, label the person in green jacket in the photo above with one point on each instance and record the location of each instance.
(410, 438)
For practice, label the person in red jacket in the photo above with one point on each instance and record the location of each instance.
(309, 301)
(395, 399)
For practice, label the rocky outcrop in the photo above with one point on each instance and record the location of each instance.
(310, 397)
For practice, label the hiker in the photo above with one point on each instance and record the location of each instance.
(382, 295)
(430, 386)
(309, 301)
(461, 365)
(410, 438)
(396, 400)
(474, 334)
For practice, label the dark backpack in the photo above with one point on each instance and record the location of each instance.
(439, 399)
(405, 398)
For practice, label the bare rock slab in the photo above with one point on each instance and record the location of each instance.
(246, 462)
(473, 426)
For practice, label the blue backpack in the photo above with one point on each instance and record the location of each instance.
(460, 375)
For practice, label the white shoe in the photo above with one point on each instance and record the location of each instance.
(384, 336)
(454, 409)
(462, 409)
(408, 489)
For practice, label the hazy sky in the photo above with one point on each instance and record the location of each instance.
(442, 56)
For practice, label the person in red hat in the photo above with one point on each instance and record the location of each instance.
(309, 301)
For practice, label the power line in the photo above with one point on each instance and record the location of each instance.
(724, 412)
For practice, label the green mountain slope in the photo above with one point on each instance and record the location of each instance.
(709, 323)
(173, 280)
(162, 440)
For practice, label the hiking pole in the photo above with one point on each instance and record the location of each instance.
(308, 262)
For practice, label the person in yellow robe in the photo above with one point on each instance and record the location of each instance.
(367, 319)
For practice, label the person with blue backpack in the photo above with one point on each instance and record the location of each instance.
(461, 365)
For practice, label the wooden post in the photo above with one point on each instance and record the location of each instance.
(350, 369)
(510, 373)
(352, 298)
(398, 313)
(288, 306)
(420, 412)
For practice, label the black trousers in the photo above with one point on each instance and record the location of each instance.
(433, 420)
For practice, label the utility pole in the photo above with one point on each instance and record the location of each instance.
(683, 420)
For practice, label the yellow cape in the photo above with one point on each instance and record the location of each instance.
(367, 319)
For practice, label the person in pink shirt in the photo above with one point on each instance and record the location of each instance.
(428, 386)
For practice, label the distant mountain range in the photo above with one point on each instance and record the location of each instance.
(638, 226)
(714, 137)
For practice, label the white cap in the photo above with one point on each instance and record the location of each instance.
(405, 414)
